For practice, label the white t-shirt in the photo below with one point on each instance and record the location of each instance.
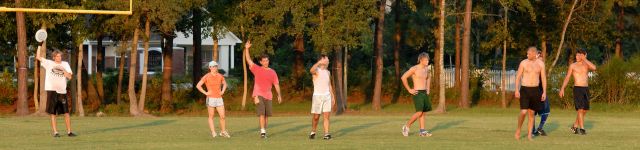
(322, 82)
(54, 77)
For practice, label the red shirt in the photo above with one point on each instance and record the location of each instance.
(264, 78)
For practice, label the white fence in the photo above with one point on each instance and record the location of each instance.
(491, 83)
(492, 80)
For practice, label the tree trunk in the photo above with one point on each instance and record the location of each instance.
(377, 89)
(440, 64)
(145, 62)
(91, 90)
(466, 45)
(123, 49)
(396, 48)
(38, 91)
(214, 51)
(457, 57)
(503, 75)
(22, 103)
(298, 64)
(100, 68)
(133, 59)
(197, 48)
(564, 30)
(79, 105)
(337, 79)
(342, 107)
(543, 46)
(167, 52)
(620, 27)
(244, 71)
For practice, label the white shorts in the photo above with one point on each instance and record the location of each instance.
(321, 104)
(214, 102)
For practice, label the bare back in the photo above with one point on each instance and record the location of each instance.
(580, 73)
(531, 73)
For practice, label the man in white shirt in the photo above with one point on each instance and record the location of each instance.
(57, 73)
(322, 96)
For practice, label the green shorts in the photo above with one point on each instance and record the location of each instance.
(421, 101)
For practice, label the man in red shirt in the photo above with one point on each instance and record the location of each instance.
(264, 78)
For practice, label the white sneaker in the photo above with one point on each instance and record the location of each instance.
(214, 134)
(225, 134)
(405, 130)
(425, 133)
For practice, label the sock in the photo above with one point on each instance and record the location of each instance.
(312, 133)
(263, 130)
(543, 119)
(422, 130)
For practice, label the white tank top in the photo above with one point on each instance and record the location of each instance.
(321, 82)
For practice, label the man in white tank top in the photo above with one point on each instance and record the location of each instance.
(322, 96)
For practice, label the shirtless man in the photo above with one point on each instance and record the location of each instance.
(420, 91)
(530, 72)
(580, 72)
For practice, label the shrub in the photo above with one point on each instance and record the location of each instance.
(7, 88)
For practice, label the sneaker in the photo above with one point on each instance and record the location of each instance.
(263, 135)
(425, 133)
(214, 134)
(542, 133)
(56, 135)
(574, 130)
(71, 134)
(405, 130)
(225, 134)
(312, 135)
(535, 133)
(327, 137)
(583, 132)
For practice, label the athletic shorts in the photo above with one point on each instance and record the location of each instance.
(421, 101)
(57, 103)
(214, 102)
(581, 97)
(321, 104)
(545, 109)
(531, 98)
(264, 107)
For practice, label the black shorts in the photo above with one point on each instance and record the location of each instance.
(581, 97)
(531, 98)
(57, 103)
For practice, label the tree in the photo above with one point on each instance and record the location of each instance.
(466, 44)
(146, 37)
(564, 30)
(23, 107)
(133, 58)
(377, 89)
(440, 60)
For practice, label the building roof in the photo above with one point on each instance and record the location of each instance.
(227, 38)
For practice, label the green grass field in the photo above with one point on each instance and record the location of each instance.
(478, 128)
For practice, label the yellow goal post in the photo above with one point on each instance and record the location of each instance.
(73, 11)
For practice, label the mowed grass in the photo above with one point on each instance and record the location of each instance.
(477, 128)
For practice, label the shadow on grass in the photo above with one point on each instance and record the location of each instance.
(307, 125)
(148, 124)
(345, 131)
(551, 127)
(257, 128)
(446, 125)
